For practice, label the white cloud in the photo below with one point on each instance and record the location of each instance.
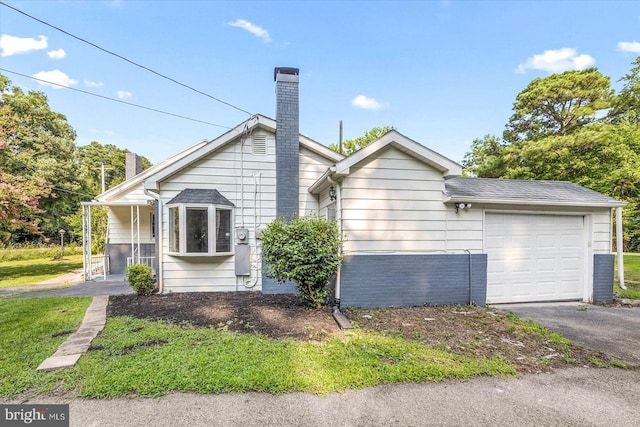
(55, 76)
(557, 61)
(57, 54)
(11, 45)
(367, 103)
(89, 83)
(123, 94)
(254, 29)
(109, 132)
(633, 47)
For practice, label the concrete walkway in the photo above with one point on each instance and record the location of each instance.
(78, 343)
(63, 281)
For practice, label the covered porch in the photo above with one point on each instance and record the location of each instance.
(129, 238)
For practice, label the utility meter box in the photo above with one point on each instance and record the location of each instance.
(242, 236)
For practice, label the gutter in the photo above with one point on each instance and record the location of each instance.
(532, 202)
(159, 242)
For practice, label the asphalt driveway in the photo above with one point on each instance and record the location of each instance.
(613, 330)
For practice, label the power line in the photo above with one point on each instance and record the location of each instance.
(127, 60)
(115, 100)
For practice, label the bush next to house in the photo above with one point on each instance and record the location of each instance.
(305, 251)
(140, 278)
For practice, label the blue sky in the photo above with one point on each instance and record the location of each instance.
(441, 72)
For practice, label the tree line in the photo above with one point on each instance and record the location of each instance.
(44, 174)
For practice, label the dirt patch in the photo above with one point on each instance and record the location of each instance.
(277, 316)
(477, 332)
(470, 331)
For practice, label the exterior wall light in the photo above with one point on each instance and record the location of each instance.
(461, 206)
(332, 193)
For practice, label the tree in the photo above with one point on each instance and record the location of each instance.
(19, 198)
(350, 146)
(41, 146)
(305, 251)
(486, 158)
(90, 159)
(558, 105)
(626, 106)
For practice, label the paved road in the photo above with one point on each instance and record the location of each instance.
(614, 330)
(569, 397)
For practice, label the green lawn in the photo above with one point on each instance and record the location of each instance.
(30, 272)
(631, 276)
(31, 330)
(140, 357)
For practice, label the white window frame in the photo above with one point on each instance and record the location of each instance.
(211, 229)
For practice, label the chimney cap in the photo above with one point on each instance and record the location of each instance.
(285, 70)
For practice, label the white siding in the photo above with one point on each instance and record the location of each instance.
(393, 204)
(120, 224)
(221, 170)
(312, 166)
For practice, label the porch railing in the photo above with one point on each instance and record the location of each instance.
(100, 265)
(148, 260)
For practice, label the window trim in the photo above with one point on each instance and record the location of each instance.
(211, 229)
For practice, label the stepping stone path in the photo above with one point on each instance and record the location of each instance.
(78, 343)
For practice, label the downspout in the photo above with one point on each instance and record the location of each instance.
(248, 283)
(159, 243)
(339, 215)
(470, 275)
(619, 247)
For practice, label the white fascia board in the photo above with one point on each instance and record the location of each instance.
(320, 149)
(446, 166)
(99, 203)
(532, 202)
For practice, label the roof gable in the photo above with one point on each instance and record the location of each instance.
(394, 138)
(258, 121)
(523, 192)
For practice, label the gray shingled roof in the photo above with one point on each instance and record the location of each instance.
(525, 190)
(193, 195)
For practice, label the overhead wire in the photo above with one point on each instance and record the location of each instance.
(115, 99)
(127, 60)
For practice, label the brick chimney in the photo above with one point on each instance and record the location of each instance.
(287, 142)
(133, 165)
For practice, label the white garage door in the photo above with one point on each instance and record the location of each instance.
(534, 257)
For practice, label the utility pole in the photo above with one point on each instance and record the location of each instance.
(341, 137)
(102, 172)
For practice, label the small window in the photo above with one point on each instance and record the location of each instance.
(199, 230)
(259, 145)
(152, 225)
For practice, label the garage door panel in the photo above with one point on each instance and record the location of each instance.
(534, 257)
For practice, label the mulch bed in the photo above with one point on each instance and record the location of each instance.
(470, 331)
(276, 316)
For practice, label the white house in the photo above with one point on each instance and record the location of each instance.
(416, 232)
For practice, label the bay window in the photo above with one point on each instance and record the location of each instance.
(199, 229)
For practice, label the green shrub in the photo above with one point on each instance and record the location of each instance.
(305, 251)
(140, 278)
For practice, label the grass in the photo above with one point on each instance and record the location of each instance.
(31, 331)
(631, 276)
(152, 358)
(32, 271)
(531, 327)
(27, 252)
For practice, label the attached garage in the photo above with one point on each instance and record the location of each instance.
(544, 240)
(535, 257)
